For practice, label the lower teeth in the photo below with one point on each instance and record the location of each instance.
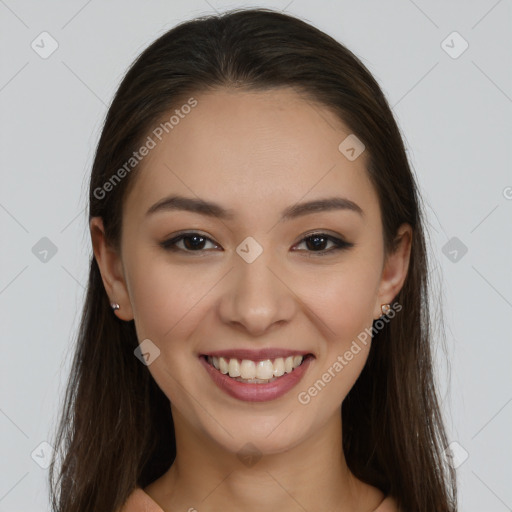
(253, 381)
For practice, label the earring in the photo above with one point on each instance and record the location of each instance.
(114, 305)
(385, 308)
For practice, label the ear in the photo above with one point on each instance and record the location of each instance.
(395, 269)
(111, 269)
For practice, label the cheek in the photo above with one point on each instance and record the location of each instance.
(167, 302)
(164, 296)
(344, 299)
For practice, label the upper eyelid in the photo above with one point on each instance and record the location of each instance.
(338, 240)
(306, 235)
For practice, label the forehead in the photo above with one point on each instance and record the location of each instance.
(251, 150)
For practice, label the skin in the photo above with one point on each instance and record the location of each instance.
(255, 153)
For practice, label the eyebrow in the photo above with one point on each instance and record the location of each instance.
(214, 210)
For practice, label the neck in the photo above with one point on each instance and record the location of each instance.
(312, 475)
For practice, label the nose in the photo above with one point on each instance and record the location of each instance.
(257, 296)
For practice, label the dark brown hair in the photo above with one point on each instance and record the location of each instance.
(116, 430)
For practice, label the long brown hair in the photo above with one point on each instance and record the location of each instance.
(116, 430)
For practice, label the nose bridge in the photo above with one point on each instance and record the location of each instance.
(255, 297)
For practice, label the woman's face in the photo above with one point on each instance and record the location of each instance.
(254, 278)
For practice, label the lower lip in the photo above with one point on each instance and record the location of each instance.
(257, 392)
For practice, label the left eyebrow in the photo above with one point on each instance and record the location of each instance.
(211, 209)
(321, 205)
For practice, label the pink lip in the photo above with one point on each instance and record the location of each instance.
(256, 355)
(257, 392)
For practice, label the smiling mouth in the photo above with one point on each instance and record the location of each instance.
(256, 372)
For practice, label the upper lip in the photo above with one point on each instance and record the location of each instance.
(256, 355)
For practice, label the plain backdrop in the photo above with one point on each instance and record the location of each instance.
(451, 94)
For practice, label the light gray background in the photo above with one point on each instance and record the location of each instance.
(455, 116)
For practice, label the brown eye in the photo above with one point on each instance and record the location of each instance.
(317, 243)
(192, 242)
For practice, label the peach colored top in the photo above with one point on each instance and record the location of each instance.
(139, 501)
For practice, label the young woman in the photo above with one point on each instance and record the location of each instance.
(256, 332)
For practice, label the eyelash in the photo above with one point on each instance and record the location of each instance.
(170, 245)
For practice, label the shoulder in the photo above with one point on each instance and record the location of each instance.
(139, 501)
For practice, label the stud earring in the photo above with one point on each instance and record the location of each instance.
(114, 305)
(385, 308)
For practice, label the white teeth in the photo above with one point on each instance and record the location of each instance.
(247, 369)
(262, 371)
(278, 367)
(234, 368)
(223, 365)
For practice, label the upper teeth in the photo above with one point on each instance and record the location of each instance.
(248, 369)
